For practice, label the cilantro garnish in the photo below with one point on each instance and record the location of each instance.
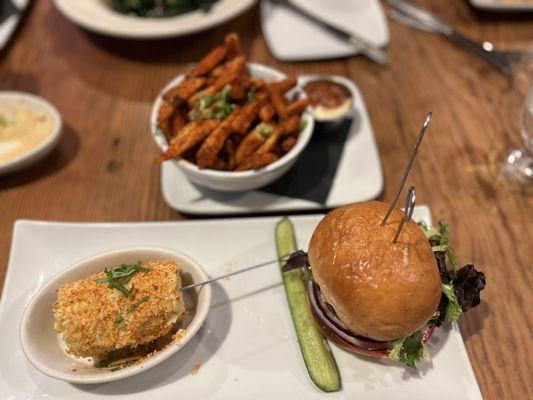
(119, 319)
(3, 120)
(134, 306)
(118, 277)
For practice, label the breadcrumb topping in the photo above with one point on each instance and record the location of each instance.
(96, 320)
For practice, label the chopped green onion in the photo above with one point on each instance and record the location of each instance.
(251, 95)
(211, 106)
(264, 130)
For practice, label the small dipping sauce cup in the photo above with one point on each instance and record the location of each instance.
(331, 100)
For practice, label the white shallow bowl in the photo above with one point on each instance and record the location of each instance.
(503, 6)
(40, 342)
(35, 104)
(231, 181)
(97, 16)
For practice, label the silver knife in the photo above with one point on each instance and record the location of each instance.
(432, 23)
(366, 48)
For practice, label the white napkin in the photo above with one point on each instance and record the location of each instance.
(293, 37)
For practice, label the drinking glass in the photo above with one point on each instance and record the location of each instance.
(516, 170)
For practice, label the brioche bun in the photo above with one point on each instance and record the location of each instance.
(380, 290)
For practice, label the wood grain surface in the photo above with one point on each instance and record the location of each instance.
(104, 169)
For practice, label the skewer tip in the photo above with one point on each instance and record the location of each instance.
(428, 119)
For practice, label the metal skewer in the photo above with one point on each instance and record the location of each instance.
(408, 169)
(263, 264)
(407, 212)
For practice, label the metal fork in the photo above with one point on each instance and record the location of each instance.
(509, 55)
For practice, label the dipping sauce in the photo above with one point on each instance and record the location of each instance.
(21, 130)
(330, 100)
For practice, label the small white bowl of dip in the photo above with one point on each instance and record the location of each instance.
(332, 97)
(30, 127)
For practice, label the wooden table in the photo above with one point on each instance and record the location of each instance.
(104, 169)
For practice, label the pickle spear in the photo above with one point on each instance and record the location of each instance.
(315, 350)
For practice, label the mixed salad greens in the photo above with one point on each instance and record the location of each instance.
(159, 8)
(460, 292)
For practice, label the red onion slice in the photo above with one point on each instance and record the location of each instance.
(335, 329)
(332, 322)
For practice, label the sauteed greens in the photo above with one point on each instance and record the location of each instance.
(159, 8)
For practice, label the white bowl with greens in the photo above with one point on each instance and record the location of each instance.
(100, 17)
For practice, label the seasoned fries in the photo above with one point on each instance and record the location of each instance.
(183, 91)
(290, 125)
(298, 107)
(252, 142)
(222, 118)
(210, 61)
(267, 112)
(207, 155)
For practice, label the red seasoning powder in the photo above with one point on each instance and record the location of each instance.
(196, 368)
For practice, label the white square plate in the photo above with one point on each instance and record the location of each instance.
(358, 177)
(247, 347)
(499, 5)
(291, 37)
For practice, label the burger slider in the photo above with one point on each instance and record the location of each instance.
(380, 283)
(379, 298)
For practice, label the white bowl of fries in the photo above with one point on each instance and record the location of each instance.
(256, 141)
